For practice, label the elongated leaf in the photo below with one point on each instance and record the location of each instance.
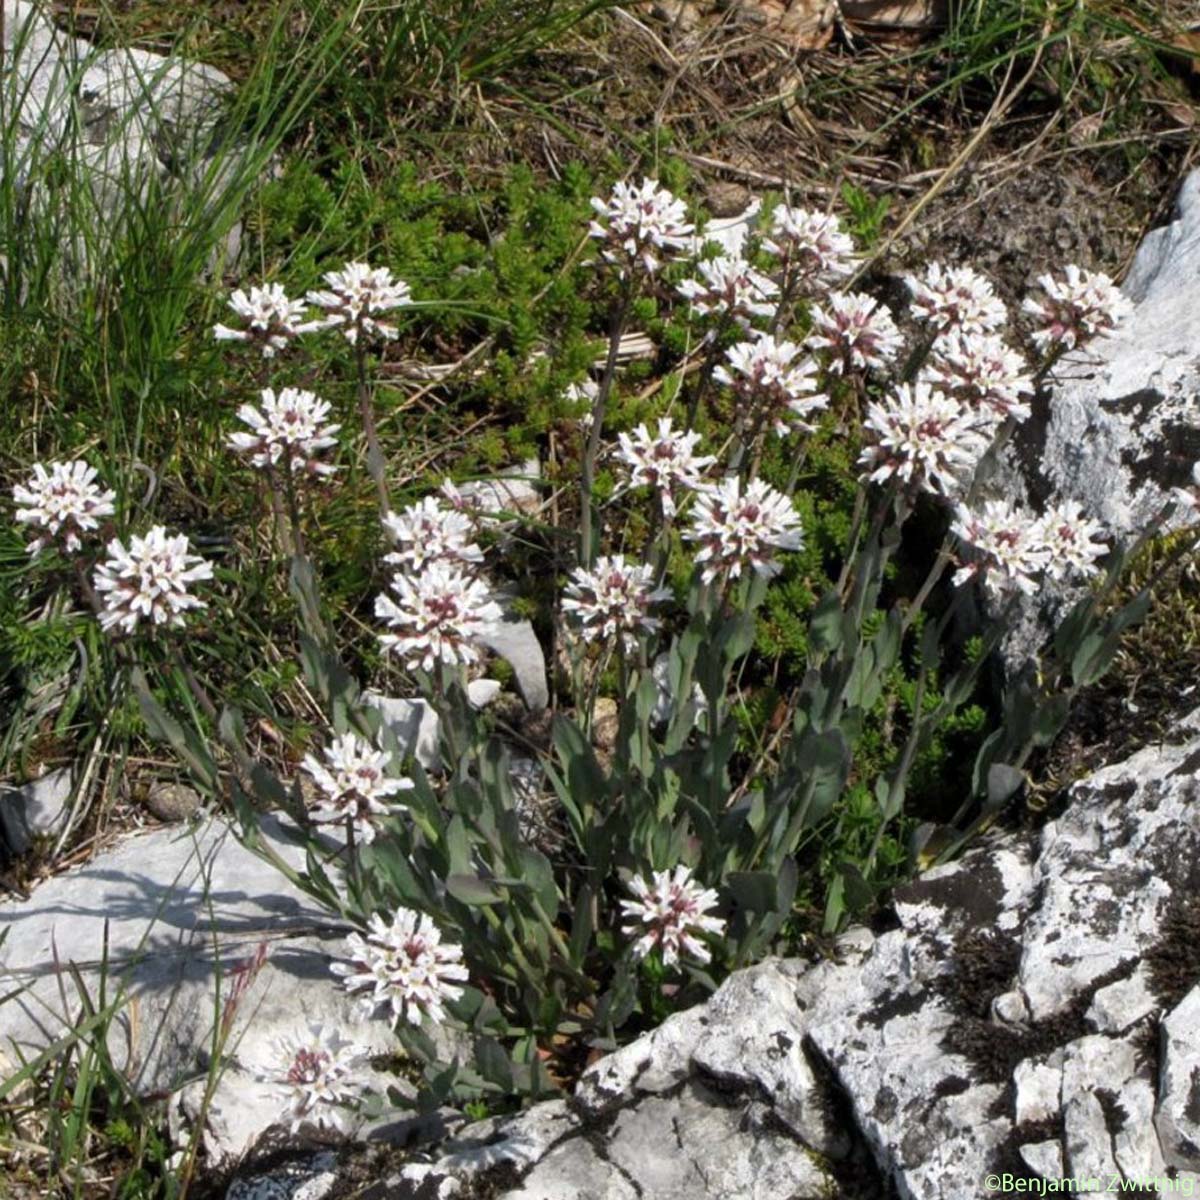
(185, 742)
(758, 891)
(493, 1063)
(470, 889)
(825, 624)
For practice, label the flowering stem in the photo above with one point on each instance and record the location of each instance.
(592, 450)
(918, 601)
(376, 465)
(709, 365)
(293, 507)
(279, 510)
(353, 869)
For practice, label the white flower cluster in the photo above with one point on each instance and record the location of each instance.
(736, 526)
(857, 330)
(981, 372)
(666, 460)
(353, 300)
(148, 580)
(1078, 305)
(638, 222)
(436, 616)
(288, 430)
(356, 296)
(922, 437)
(813, 242)
(62, 505)
(669, 912)
(404, 965)
(270, 320)
(956, 298)
(354, 785)
(729, 285)
(428, 532)
(318, 1070)
(1011, 548)
(765, 370)
(615, 598)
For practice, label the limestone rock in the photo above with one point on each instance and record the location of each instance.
(181, 916)
(37, 808)
(1120, 427)
(124, 119)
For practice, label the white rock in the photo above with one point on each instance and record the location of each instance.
(415, 725)
(173, 905)
(514, 639)
(1038, 1089)
(37, 808)
(730, 233)
(1120, 429)
(1178, 1118)
(120, 119)
(1045, 1158)
(1120, 1005)
(515, 490)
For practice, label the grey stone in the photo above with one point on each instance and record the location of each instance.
(123, 120)
(575, 1170)
(1038, 1090)
(38, 808)
(414, 724)
(1177, 1120)
(169, 800)
(514, 640)
(694, 1144)
(514, 490)
(308, 1179)
(179, 916)
(1120, 428)
(1045, 1158)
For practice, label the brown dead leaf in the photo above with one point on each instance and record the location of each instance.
(895, 14)
(1188, 44)
(802, 24)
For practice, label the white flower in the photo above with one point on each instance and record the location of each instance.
(318, 1070)
(1070, 540)
(982, 372)
(1009, 545)
(357, 295)
(428, 532)
(1078, 305)
(271, 319)
(730, 285)
(436, 616)
(405, 965)
(765, 369)
(615, 598)
(636, 222)
(61, 503)
(669, 913)
(814, 241)
(734, 528)
(923, 438)
(958, 298)
(288, 429)
(859, 331)
(149, 580)
(354, 785)
(666, 460)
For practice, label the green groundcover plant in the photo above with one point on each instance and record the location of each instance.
(504, 958)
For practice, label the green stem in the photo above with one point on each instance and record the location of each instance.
(376, 464)
(592, 450)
